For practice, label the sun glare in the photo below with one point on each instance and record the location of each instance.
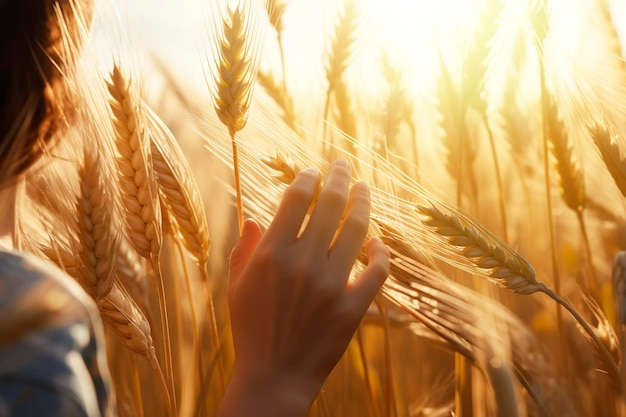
(412, 33)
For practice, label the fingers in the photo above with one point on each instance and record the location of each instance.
(330, 206)
(293, 207)
(239, 256)
(368, 282)
(353, 230)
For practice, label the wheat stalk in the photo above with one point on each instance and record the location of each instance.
(235, 70)
(342, 43)
(181, 196)
(489, 256)
(395, 103)
(235, 65)
(137, 184)
(122, 316)
(287, 171)
(571, 182)
(280, 95)
(142, 215)
(494, 259)
(132, 273)
(476, 59)
(275, 10)
(341, 50)
(99, 244)
(345, 118)
(459, 145)
(539, 18)
(607, 143)
(178, 190)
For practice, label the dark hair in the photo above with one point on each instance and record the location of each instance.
(30, 78)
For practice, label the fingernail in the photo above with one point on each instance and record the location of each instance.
(311, 171)
(341, 162)
(362, 187)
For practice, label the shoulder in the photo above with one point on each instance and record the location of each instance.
(34, 293)
(51, 342)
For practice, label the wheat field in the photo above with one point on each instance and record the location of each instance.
(491, 133)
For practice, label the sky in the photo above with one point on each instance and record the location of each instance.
(175, 31)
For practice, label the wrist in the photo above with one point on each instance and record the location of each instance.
(267, 392)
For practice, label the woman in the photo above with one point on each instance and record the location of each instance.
(292, 308)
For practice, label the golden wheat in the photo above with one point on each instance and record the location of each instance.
(280, 96)
(571, 180)
(476, 62)
(122, 316)
(612, 155)
(342, 45)
(500, 263)
(132, 271)
(459, 146)
(99, 243)
(345, 116)
(142, 214)
(235, 73)
(179, 191)
(339, 56)
(137, 184)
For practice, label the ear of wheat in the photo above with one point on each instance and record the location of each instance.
(489, 256)
(339, 56)
(612, 155)
(396, 103)
(99, 243)
(178, 190)
(280, 96)
(185, 209)
(233, 72)
(235, 68)
(137, 182)
(476, 60)
(503, 266)
(571, 182)
(343, 41)
(122, 316)
(458, 145)
(345, 116)
(139, 193)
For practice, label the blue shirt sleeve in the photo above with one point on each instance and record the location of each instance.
(52, 359)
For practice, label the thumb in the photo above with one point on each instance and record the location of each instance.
(239, 256)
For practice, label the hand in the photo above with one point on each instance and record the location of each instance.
(293, 310)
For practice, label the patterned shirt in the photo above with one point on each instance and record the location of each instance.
(52, 359)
